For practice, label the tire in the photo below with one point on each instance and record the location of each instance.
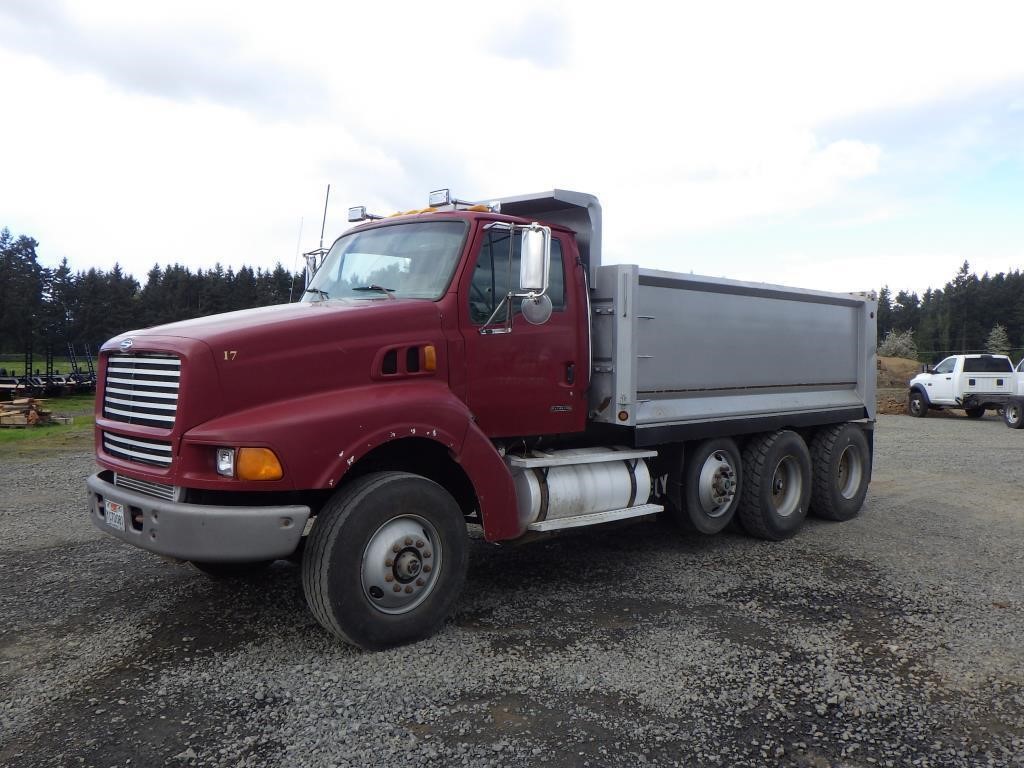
(1013, 414)
(974, 413)
(917, 406)
(841, 463)
(232, 570)
(712, 475)
(363, 591)
(776, 485)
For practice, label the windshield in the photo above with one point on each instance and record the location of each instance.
(408, 261)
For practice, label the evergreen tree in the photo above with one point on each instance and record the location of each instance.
(997, 343)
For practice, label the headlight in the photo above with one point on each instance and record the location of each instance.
(226, 462)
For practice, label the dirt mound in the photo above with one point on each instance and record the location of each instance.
(894, 373)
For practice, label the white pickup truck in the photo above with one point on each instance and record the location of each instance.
(974, 383)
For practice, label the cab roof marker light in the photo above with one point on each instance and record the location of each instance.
(358, 213)
(439, 197)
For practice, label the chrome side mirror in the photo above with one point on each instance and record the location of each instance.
(536, 259)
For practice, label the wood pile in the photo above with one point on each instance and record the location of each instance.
(24, 412)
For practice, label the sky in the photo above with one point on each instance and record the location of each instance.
(834, 146)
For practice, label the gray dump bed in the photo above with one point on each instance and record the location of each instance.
(673, 351)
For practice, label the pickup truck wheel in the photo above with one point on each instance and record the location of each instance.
(1013, 414)
(776, 485)
(916, 405)
(974, 413)
(711, 486)
(841, 463)
(386, 560)
(231, 570)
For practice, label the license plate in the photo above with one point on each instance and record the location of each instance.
(114, 514)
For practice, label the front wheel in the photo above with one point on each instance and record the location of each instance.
(974, 413)
(917, 406)
(776, 485)
(386, 560)
(1013, 414)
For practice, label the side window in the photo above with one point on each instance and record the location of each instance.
(494, 275)
(946, 366)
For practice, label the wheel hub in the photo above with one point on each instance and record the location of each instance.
(400, 564)
(716, 484)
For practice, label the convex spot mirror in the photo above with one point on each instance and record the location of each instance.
(536, 259)
(536, 309)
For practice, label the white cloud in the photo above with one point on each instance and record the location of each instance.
(193, 131)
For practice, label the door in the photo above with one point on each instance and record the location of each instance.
(940, 386)
(1020, 378)
(524, 382)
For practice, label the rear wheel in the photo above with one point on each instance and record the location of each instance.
(974, 413)
(386, 560)
(917, 406)
(776, 485)
(841, 463)
(1013, 414)
(711, 485)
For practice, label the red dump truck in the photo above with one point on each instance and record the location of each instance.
(476, 364)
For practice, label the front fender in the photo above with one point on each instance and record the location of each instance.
(924, 392)
(320, 437)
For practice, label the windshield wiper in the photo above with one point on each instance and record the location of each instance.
(386, 291)
(322, 294)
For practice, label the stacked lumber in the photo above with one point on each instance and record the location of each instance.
(24, 412)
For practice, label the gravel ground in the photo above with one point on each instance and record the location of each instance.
(890, 640)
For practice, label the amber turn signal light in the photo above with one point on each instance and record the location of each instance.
(429, 358)
(257, 464)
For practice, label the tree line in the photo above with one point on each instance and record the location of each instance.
(968, 314)
(41, 306)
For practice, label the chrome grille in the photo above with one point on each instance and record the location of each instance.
(138, 449)
(161, 491)
(142, 389)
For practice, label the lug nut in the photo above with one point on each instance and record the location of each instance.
(408, 540)
(420, 582)
(419, 543)
(388, 577)
(397, 587)
(389, 562)
(408, 590)
(426, 554)
(427, 568)
(397, 548)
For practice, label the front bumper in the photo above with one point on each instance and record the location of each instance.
(199, 532)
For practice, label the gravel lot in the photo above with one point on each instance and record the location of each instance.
(894, 639)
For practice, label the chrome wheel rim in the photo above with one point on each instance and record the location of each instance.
(400, 564)
(716, 486)
(851, 471)
(787, 486)
(1013, 414)
(916, 405)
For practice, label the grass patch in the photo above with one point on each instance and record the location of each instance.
(51, 439)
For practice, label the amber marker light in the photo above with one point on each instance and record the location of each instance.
(429, 358)
(257, 464)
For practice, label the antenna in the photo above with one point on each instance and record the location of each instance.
(324, 223)
(315, 258)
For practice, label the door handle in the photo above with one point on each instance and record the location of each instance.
(570, 373)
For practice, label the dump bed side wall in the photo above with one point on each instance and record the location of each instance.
(676, 349)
